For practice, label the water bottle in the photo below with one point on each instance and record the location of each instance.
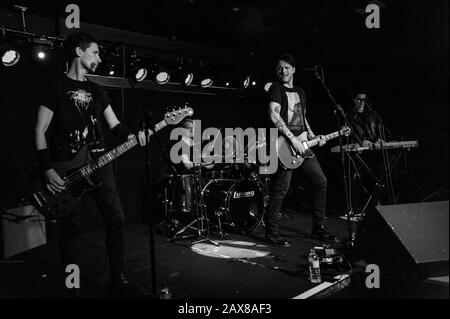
(314, 267)
(165, 293)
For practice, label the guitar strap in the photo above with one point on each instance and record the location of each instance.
(93, 118)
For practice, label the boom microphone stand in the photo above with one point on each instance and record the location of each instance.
(338, 110)
(146, 126)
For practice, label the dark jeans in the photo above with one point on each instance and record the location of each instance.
(280, 182)
(108, 202)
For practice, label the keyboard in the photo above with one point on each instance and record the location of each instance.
(376, 146)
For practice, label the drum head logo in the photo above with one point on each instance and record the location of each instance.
(243, 194)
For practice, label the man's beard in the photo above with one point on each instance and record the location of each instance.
(92, 67)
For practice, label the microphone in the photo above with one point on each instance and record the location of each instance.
(313, 68)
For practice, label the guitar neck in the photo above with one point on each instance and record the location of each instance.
(328, 137)
(107, 158)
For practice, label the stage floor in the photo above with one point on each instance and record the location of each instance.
(239, 267)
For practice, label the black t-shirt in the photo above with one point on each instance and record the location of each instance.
(293, 98)
(74, 104)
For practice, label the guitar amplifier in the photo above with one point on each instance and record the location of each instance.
(21, 228)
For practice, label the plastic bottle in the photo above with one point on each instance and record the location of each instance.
(314, 267)
(165, 293)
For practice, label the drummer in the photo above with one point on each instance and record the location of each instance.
(184, 180)
(187, 138)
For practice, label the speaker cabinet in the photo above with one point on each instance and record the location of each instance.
(407, 239)
(22, 228)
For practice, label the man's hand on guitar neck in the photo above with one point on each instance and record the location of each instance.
(53, 181)
(322, 141)
(140, 137)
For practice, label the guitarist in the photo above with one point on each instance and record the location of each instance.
(287, 109)
(73, 105)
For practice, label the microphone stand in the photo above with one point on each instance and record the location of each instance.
(146, 126)
(338, 110)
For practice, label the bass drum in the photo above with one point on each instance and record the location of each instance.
(234, 205)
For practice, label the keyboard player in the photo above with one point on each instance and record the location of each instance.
(367, 131)
(366, 123)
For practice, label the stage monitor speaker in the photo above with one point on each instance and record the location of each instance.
(408, 239)
(21, 228)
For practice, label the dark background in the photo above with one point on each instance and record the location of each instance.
(404, 65)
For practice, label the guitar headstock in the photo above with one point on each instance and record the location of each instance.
(345, 130)
(178, 114)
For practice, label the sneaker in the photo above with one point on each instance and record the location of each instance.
(276, 240)
(321, 233)
(284, 217)
(353, 217)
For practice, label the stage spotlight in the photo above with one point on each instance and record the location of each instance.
(183, 72)
(205, 76)
(140, 74)
(111, 70)
(246, 82)
(205, 79)
(188, 78)
(41, 53)
(111, 63)
(206, 82)
(162, 75)
(138, 70)
(224, 79)
(42, 49)
(10, 56)
(183, 76)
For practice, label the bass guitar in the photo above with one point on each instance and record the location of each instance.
(77, 172)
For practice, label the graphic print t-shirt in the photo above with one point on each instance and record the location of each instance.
(74, 103)
(293, 99)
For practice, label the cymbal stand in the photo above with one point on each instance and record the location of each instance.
(200, 216)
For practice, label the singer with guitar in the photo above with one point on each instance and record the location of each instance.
(73, 107)
(287, 110)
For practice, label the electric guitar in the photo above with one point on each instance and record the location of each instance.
(77, 172)
(289, 157)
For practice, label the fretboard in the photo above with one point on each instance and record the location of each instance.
(328, 137)
(107, 158)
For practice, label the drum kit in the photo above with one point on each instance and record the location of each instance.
(224, 198)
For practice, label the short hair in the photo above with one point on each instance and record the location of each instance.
(186, 121)
(286, 58)
(359, 91)
(78, 39)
